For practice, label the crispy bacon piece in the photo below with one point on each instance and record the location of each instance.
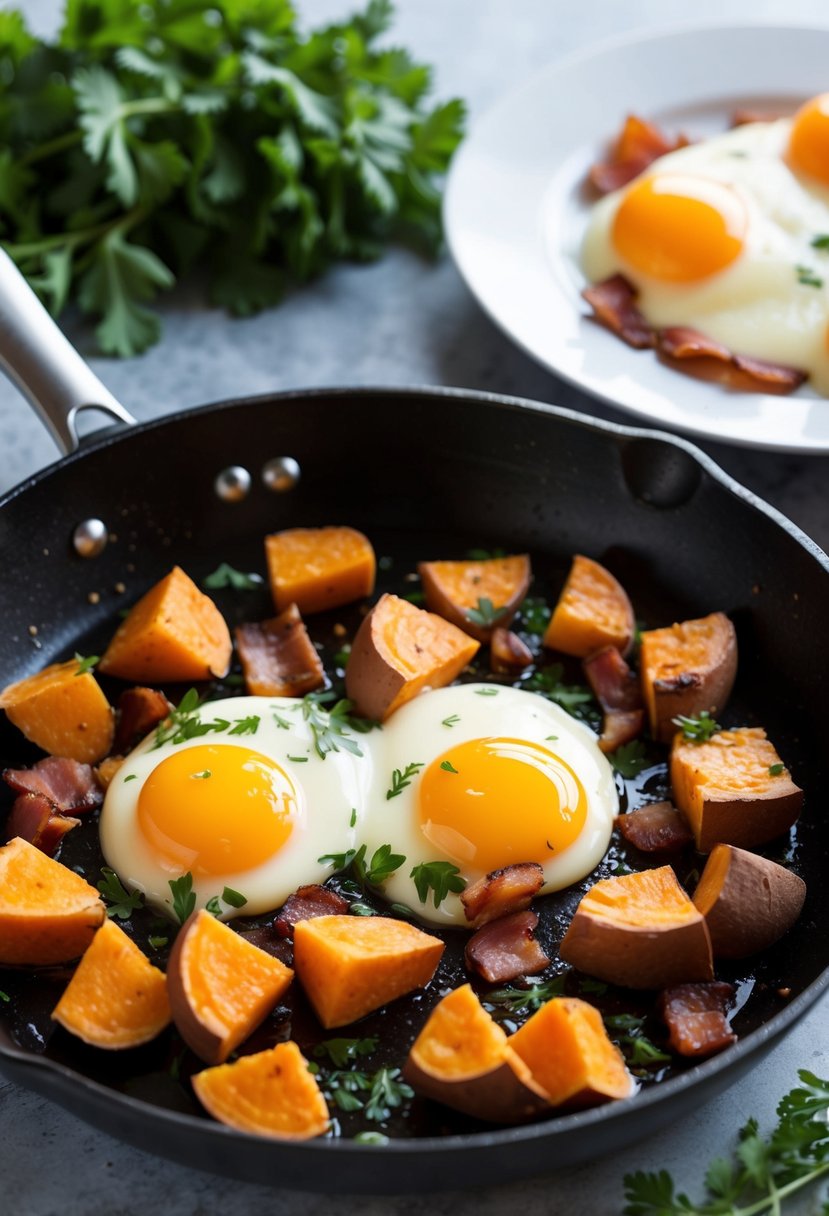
(508, 653)
(638, 145)
(266, 939)
(505, 948)
(614, 305)
(139, 710)
(656, 828)
(306, 903)
(67, 784)
(508, 890)
(617, 690)
(682, 342)
(34, 818)
(695, 1015)
(278, 657)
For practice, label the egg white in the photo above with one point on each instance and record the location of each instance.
(417, 733)
(332, 793)
(756, 305)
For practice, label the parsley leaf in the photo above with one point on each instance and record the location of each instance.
(399, 780)
(629, 759)
(388, 1091)
(535, 615)
(627, 1031)
(122, 903)
(383, 864)
(331, 729)
(226, 576)
(526, 1000)
(821, 241)
(343, 1051)
(486, 614)
(440, 877)
(700, 727)
(86, 664)
(184, 897)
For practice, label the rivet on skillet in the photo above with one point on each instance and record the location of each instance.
(281, 474)
(232, 484)
(660, 473)
(90, 538)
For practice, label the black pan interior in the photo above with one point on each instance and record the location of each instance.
(423, 474)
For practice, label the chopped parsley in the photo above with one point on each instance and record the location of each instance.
(575, 698)
(203, 775)
(184, 897)
(399, 780)
(807, 277)
(373, 873)
(485, 614)
(226, 576)
(535, 615)
(331, 729)
(629, 759)
(184, 722)
(775, 770)
(440, 877)
(821, 241)
(698, 727)
(4, 996)
(158, 943)
(451, 721)
(448, 766)
(344, 1051)
(86, 664)
(487, 692)
(627, 1032)
(529, 999)
(122, 903)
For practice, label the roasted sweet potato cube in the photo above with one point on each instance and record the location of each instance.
(687, 668)
(272, 1093)
(593, 611)
(319, 568)
(477, 596)
(48, 913)
(62, 711)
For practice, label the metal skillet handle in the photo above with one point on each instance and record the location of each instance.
(44, 365)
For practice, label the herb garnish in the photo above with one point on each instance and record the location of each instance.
(122, 903)
(448, 766)
(4, 996)
(383, 864)
(629, 759)
(451, 721)
(807, 277)
(358, 908)
(330, 728)
(203, 775)
(485, 614)
(158, 943)
(775, 770)
(388, 1091)
(821, 241)
(535, 615)
(399, 780)
(484, 555)
(764, 1174)
(575, 698)
(86, 664)
(163, 129)
(699, 727)
(245, 726)
(441, 877)
(184, 722)
(226, 576)
(627, 1032)
(487, 692)
(343, 1051)
(529, 999)
(184, 897)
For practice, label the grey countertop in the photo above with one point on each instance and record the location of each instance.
(400, 321)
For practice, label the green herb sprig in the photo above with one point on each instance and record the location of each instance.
(401, 778)
(226, 576)
(122, 903)
(184, 897)
(153, 136)
(526, 1000)
(485, 614)
(439, 877)
(698, 727)
(629, 759)
(577, 699)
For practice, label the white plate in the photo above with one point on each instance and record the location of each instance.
(515, 211)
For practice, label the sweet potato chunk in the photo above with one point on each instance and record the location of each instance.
(319, 568)
(566, 1048)
(733, 788)
(48, 913)
(462, 1058)
(278, 657)
(116, 998)
(221, 987)
(641, 931)
(748, 901)
(61, 711)
(687, 668)
(271, 1093)
(175, 632)
(350, 965)
(398, 651)
(476, 595)
(593, 611)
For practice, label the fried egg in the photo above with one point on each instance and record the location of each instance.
(482, 776)
(250, 805)
(731, 236)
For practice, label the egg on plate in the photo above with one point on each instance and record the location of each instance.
(730, 236)
(482, 776)
(250, 805)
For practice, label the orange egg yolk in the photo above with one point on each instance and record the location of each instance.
(216, 810)
(678, 228)
(490, 803)
(808, 150)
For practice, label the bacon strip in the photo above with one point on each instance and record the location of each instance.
(655, 828)
(508, 653)
(139, 710)
(695, 1015)
(265, 938)
(67, 784)
(278, 657)
(638, 145)
(505, 948)
(617, 690)
(614, 305)
(508, 890)
(306, 903)
(35, 819)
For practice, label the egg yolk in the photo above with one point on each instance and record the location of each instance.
(216, 810)
(679, 228)
(490, 803)
(808, 150)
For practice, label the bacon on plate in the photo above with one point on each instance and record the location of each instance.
(505, 948)
(614, 305)
(638, 145)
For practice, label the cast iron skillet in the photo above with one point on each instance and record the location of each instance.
(424, 473)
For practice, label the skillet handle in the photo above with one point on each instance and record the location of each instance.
(44, 365)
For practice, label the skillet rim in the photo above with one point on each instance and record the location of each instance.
(59, 1077)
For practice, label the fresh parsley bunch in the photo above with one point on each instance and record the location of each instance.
(154, 136)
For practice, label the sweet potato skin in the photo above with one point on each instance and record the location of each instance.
(748, 902)
(453, 588)
(688, 685)
(644, 955)
(504, 1094)
(175, 632)
(398, 651)
(747, 808)
(48, 913)
(63, 712)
